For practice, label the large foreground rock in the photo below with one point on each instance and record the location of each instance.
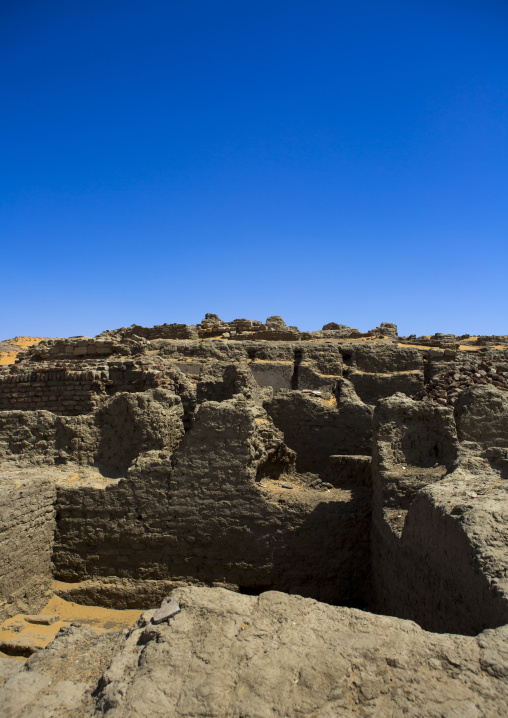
(226, 654)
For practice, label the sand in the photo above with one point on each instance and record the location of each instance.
(38, 636)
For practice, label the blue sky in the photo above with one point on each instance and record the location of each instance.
(326, 161)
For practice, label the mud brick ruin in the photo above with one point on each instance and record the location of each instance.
(242, 469)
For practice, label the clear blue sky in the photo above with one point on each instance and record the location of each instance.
(324, 160)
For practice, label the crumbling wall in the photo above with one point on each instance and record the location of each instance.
(162, 331)
(81, 386)
(482, 416)
(383, 369)
(428, 560)
(221, 380)
(41, 437)
(315, 429)
(446, 570)
(132, 424)
(415, 445)
(26, 534)
(218, 516)
(277, 374)
(125, 425)
(194, 481)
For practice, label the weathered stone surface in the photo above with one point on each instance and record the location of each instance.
(482, 415)
(282, 655)
(439, 532)
(58, 681)
(215, 511)
(132, 424)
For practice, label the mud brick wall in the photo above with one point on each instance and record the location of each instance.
(27, 522)
(162, 331)
(58, 390)
(210, 518)
(316, 430)
(75, 390)
(432, 550)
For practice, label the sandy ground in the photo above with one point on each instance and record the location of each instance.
(18, 631)
(9, 348)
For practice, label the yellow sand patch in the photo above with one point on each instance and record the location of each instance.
(8, 357)
(98, 618)
(332, 401)
(12, 347)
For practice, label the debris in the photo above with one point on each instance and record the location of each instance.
(15, 627)
(165, 612)
(43, 619)
(286, 486)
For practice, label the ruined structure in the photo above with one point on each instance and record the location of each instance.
(364, 471)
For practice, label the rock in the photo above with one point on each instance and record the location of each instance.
(334, 326)
(59, 680)
(229, 655)
(43, 619)
(388, 329)
(276, 323)
(165, 612)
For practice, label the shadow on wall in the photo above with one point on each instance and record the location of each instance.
(433, 550)
(316, 430)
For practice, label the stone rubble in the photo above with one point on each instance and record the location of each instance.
(445, 387)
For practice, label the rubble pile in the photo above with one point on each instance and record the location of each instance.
(444, 388)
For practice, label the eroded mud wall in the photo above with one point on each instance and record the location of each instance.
(430, 535)
(316, 429)
(27, 523)
(213, 513)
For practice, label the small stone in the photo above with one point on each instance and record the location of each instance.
(165, 612)
(43, 619)
(286, 486)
